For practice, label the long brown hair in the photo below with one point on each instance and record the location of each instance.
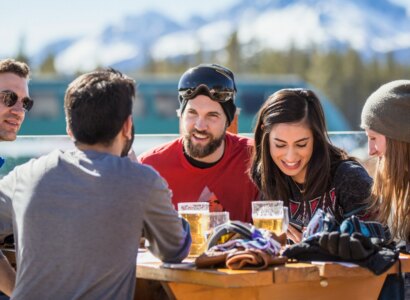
(292, 106)
(391, 188)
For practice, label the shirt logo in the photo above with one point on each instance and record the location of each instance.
(214, 203)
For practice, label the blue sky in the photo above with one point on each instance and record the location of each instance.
(42, 21)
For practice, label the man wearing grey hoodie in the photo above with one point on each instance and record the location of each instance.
(78, 214)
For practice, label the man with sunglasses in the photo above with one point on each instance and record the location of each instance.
(207, 163)
(78, 214)
(14, 97)
(14, 103)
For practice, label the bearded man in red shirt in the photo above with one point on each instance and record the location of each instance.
(207, 163)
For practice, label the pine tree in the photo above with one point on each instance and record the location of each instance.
(21, 52)
(48, 65)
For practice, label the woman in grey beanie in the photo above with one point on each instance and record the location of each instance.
(386, 119)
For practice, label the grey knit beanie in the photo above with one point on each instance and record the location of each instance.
(387, 110)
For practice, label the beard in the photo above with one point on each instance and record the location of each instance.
(128, 144)
(199, 151)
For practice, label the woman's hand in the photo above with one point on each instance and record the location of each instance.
(294, 234)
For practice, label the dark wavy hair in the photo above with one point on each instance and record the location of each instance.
(97, 104)
(293, 106)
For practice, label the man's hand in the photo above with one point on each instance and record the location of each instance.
(7, 276)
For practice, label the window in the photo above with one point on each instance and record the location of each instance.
(166, 104)
(250, 102)
(139, 108)
(46, 105)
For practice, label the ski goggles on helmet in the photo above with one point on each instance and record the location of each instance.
(9, 98)
(217, 84)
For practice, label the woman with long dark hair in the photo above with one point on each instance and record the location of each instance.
(295, 161)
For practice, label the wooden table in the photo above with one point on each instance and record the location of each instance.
(292, 281)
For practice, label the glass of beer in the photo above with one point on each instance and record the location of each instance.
(285, 223)
(268, 215)
(216, 219)
(197, 215)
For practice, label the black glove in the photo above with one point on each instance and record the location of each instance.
(348, 247)
(308, 251)
(381, 261)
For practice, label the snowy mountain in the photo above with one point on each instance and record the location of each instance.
(123, 46)
(369, 26)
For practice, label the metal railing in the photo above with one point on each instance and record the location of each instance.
(27, 147)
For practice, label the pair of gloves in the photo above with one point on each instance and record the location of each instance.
(238, 257)
(363, 243)
(336, 246)
(248, 247)
(333, 246)
(353, 246)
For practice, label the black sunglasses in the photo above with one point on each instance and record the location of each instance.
(10, 99)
